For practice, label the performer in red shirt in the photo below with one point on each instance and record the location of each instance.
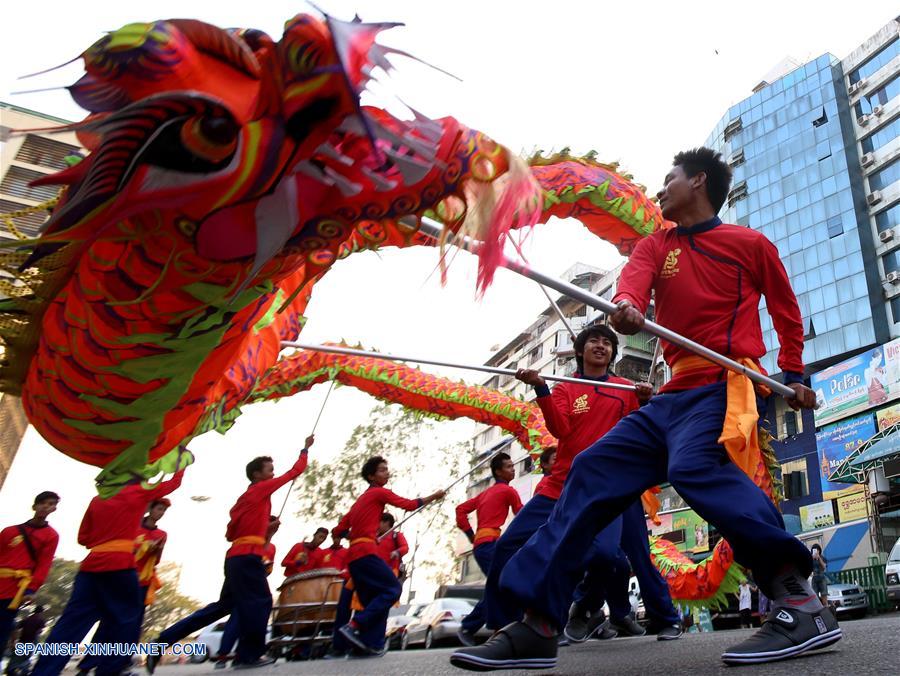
(106, 587)
(232, 628)
(374, 582)
(26, 553)
(707, 278)
(245, 590)
(491, 508)
(305, 555)
(335, 556)
(392, 548)
(577, 415)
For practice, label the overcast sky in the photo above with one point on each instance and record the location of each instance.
(635, 81)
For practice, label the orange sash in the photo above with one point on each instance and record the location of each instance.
(248, 540)
(651, 504)
(121, 546)
(24, 577)
(359, 540)
(740, 434)
(487, 532)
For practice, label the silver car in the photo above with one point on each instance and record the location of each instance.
(438, 621)
(848, 599)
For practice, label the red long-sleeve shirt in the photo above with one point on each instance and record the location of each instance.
(707, 281)
(268, 557)
(395, 542)
(302, 557)
(250, 514)
(14, 554)
(334, 557)
(364, 516)
(491, 507)
(118, 518)
(147, 561)
(578, 415)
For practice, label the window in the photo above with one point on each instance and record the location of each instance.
(877, 181)
(888, 218)
(882, 137)
(822, 119)
(45, 152)
(876, 62)
(835, 226)
(879, 97)
(790, 423)
(793, 475)
(536, 353)
(16, 181)
(26, 225)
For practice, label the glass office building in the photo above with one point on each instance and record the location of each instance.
(798, 180)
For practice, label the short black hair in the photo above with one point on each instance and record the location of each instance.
(497, 462)
(545, 455)
(710, 162)
(388, 517)
(593, 331)
(45, 495)
(272, 518)
(371, 466)
(321, 529)
(256, 465)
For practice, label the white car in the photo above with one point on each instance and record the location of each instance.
(211, 637)
(892, 574)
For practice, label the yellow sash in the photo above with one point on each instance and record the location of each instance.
(24, 576)
(487, 532)
(249, 540)
(359, 540)
(739, 430)
(114, 546)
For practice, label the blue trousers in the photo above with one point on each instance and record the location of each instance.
(378, 590)
(245, 593)
(484, 555)
(102, 636)
(111, 597)
(7, 622)
(229, 635)
(341, 617)
(673, 438)
(605, 579)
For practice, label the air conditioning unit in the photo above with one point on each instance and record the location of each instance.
(886, 235)
(863, 120)
(873, 198)
(856, 87)
(877, 111)
(867, 160)
(893, 277)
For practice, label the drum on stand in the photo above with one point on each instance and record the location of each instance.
(307, 603)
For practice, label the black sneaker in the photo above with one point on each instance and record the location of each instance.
(466, 638)
(670, 632)
(788, 632)
(150, 664)
(627, 626)
(221, 663)
(263, 661)
(582, 624)
(516, 646)
(352, 634)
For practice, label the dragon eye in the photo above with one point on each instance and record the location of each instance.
(196, 144)
(210, 138)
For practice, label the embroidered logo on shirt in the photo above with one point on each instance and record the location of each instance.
(580, 405)
(16, 541)
(670, 266)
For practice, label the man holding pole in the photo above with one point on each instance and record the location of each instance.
(374, 582)
(699, 434)
(491, 508)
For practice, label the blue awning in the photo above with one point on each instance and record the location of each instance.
(880, 449)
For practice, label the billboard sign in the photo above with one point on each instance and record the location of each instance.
(817, 515)
(835, 443)
(852, 507)
(865, 381)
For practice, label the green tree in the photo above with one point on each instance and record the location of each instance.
(57, 588)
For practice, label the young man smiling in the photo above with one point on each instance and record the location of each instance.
(577, 415)
(699, 433)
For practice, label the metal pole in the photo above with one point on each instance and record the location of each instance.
(434, 229)
(487, 369)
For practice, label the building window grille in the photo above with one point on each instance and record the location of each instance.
(45, 152)
(737, 193)
(733, 128)
(16, 184)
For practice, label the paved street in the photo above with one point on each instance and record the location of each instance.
(870, 646)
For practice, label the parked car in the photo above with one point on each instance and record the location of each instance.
(211, 636)
(892, 574)
(438, 621)
(398, 619)
(848, 599)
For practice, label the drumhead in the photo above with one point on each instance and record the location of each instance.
(310, 574)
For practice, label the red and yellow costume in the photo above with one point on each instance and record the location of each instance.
(360, 524)
(395, 542)
(302, 557)
(491, 508)
(19, 571)
(148, 552)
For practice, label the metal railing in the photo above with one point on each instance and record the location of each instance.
(871, 581)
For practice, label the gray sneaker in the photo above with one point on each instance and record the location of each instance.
(627, 626)
(788, 632)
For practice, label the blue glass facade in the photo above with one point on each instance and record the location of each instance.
(797, 179)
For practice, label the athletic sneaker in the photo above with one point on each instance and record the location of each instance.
(220, 664)
(351, 633)
(670, 632)
(582, 624)
(788, 632)
(263, 661)
(627, 626)
(152, 661)
(465, 637)
(516, 646)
